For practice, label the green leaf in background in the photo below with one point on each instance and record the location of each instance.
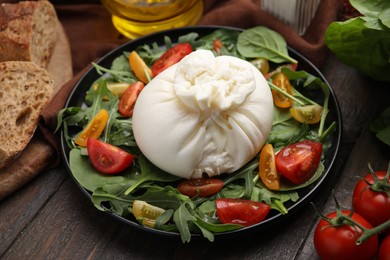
(381, 126)
(384, 16)
(361, 47)
(371, 8)
(364, 42)
(261, 42)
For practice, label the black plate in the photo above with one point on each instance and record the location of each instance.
(76, 98)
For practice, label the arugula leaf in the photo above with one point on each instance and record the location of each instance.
(261, 42)
(217, 228)
(117, 75)
(284, 132)
(310, 81)
(112, 193)
(165, 197)
(183, 219)
(228, 39)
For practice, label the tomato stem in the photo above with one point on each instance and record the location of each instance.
(367, 233)
(342, 219)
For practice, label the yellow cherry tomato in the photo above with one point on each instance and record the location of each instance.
(281, 80)
(262, 65)
(116, 88)
(310, 114)
(145, 213)
(267, 168)
(139, 67)
(94, 128)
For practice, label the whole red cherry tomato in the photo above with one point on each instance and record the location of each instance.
(370, 204)
(107, 158)
(170, 57)
(384, 249)
(242, 212)
(299, 161)
(202, 187)
(339, 242)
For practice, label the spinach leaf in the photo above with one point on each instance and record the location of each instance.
(275, 200)
(286, 186)
(149, 172)
(88, 177)
(261, 42)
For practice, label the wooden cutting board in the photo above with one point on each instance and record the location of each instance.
(38, 154)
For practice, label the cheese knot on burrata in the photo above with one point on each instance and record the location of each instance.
(204, 115)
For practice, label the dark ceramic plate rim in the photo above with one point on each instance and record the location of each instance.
(77, 97)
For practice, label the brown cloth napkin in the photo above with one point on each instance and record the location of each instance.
(91, 35)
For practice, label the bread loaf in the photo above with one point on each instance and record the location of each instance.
(28, 31)
(25, 89)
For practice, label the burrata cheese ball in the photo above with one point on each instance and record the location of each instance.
(203, 116)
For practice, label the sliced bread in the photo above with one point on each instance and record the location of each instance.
(25, 89)
(28, 31)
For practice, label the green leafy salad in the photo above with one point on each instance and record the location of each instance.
(146, 194)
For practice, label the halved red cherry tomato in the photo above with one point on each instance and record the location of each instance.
(127, 101)
(267, 168)
(242, 212)
(281, 80)
(107, 158)
(202, 187)
(170, 57)
(370, 204)
(94, 128)
(217, 45)
(339, 242)
(299, 161)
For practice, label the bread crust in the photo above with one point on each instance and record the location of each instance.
(34, 158)
(28, 32)
(25, 89)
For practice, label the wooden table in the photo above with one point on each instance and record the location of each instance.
(50, 218)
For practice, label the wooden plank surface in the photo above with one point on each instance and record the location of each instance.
(51, 219)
